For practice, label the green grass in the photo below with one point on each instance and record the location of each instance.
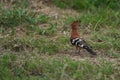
(17, 45)
(19, 4)
(16, 17)
(49, 48)
(89, 4)
(110, 38)
(55, 69)
(42, 52)
(49, 31)
(11, 19)
(59, 3)
(101, 19)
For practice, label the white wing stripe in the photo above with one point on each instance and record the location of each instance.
(73, 41)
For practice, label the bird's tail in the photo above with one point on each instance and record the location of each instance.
(84, 45)
(89, 50)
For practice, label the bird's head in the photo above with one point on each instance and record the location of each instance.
(75, 24)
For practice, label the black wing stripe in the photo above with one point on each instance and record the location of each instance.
(77, 42)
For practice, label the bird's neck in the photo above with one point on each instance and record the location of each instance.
(74, 33)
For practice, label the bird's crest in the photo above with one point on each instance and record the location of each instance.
(75, 24)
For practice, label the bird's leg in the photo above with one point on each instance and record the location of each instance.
(77, 50)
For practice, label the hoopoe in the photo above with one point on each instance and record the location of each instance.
(77, 41)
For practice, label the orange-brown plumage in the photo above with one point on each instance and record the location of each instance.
(74, 27)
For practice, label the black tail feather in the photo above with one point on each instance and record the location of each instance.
(89, 50)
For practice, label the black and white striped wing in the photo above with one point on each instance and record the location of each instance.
(82, 43)
(78, 42)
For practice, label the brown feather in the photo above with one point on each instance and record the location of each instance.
(74, 27)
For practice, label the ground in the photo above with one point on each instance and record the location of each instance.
(42, 50)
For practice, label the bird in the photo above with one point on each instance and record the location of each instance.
(76, 39)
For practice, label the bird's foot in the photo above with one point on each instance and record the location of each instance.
(93, 56)
(78, 52)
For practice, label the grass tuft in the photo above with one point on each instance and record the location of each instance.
(44, 48)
